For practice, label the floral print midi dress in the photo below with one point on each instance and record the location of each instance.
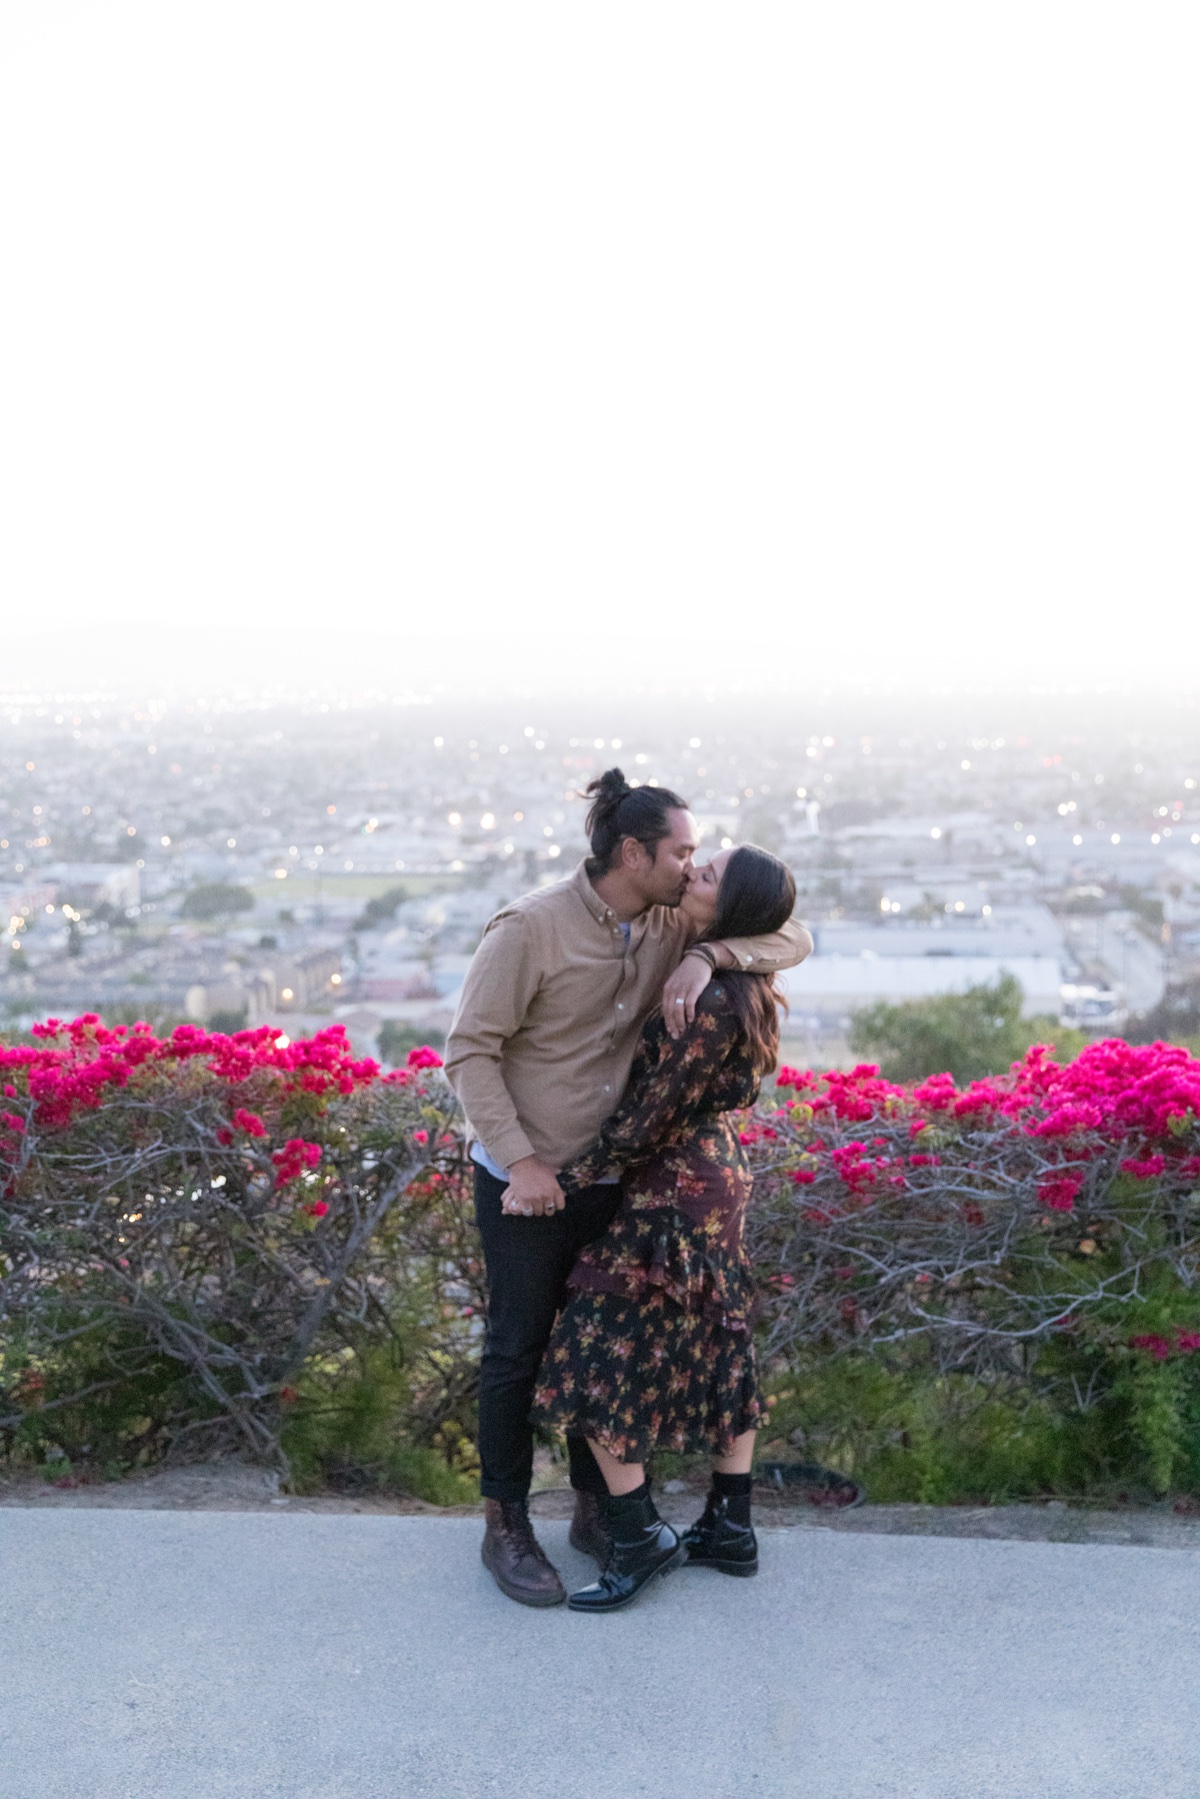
(653, 1348)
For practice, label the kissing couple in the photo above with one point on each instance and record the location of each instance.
(608, 1026)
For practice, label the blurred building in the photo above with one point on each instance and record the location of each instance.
(830, 988)
(96, 883)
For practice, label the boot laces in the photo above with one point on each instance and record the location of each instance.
(518, 1527)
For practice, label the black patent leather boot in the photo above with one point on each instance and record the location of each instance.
(715, 1541)
(643, 1547)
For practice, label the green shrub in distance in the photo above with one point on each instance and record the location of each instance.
(229, 1022)
(396, 1039)
(216, 899)
(968, 1035)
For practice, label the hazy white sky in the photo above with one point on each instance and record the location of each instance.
(797, 342)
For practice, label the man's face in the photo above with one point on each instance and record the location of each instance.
(664, 872)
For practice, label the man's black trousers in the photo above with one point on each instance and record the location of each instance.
(528, 1261)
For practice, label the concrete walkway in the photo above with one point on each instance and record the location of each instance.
(226, 1655)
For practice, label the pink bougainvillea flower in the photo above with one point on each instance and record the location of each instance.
(1145, 1167)
(1153, 1344)
(294, 1158)
(1060, 1192)
(69, 1067)
(249, 1122)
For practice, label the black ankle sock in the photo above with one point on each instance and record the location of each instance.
(621, 1505)
(734, 1489)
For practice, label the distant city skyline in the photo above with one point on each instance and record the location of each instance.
(293, 863)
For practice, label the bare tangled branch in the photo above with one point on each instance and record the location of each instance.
(236, 1219)
(981, 1224)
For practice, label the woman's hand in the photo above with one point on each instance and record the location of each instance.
(681, 992)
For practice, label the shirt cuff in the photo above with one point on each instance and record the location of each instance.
(508, 1146)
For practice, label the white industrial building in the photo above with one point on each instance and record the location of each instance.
(858, 964)
(842, 984)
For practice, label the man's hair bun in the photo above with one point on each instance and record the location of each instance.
(606, 791)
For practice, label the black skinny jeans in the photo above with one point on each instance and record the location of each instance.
(528, 1261)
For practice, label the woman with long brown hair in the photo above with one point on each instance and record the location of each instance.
(653, 1348)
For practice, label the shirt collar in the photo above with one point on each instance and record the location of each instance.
(602, 913)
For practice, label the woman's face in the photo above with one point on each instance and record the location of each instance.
(699, 903)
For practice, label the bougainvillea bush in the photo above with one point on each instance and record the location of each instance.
(210, 1240)
(988, 1290)
(213, 1241)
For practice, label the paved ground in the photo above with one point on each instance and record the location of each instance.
(287, 1655)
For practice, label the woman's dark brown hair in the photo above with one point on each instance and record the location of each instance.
(756, 896)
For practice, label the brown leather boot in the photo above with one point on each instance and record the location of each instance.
(590, 1534)
(514, 1557)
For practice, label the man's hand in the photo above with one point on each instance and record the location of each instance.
(681, 992)
(533, 1190)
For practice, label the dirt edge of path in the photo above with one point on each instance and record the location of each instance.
(232, 1486)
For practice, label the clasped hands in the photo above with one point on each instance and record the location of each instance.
(533, 1190)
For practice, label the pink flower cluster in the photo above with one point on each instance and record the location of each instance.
(1160, 1347)
(72, 1067)
(1060, 1192)
(294, 1159)
(1118, 1089)
(1145, 1167)
(249, 1122)
(1112, 1086)
(860, 1170)
(1144, 1098)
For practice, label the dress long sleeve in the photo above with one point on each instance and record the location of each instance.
(670, 1084)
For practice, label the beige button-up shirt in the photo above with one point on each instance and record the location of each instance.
(552, 1008)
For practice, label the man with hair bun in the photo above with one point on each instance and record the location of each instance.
(539, 1055)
